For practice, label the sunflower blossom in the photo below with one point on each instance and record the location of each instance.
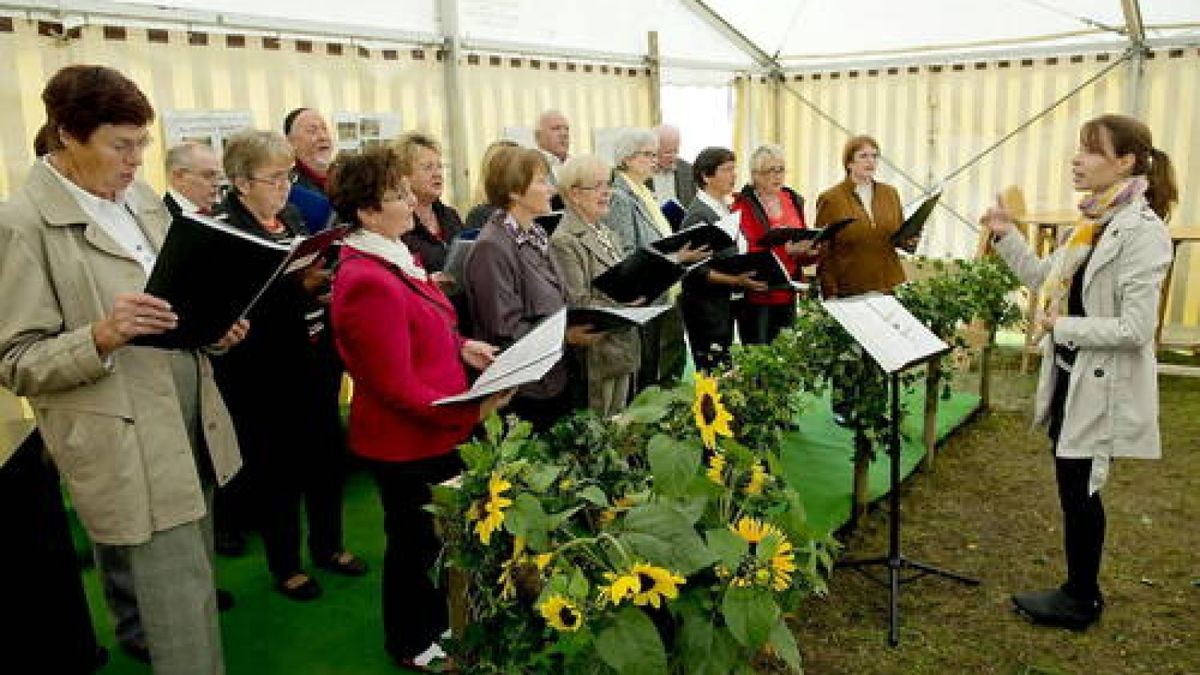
(778, 563)
(561, 614)
(493, 508)
(517, 565)
(643, 584)
(711, 416)
(758, 479)
(716, 468)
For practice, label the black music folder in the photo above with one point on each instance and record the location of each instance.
(603, 319)
(764, 264)
(915, 222)
(645, 274)
(212, 274)
(785, 235)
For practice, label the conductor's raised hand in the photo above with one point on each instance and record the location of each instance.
(998, 219)
(478, 355)
(132, 315)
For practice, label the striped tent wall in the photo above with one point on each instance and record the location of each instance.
(268, 76)
(933, 120)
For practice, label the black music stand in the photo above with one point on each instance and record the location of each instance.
(896, 341)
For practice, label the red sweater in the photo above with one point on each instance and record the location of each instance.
(755, 224)
(401, 347)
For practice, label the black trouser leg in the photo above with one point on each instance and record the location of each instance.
(1083, 514)
(325, 481)
(752, 322)
(280, 521)
(1083, 527)
(414, 609)
(778, 318)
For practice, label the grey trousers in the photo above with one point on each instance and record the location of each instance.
(609, 396)
(163, 591)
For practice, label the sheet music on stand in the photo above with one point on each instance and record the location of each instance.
(889, 333)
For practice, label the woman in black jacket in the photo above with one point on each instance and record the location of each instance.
(291, 438)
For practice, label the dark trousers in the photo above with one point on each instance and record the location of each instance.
(542, 413)
(414, 608)
(52, 629)
(664, 355)
(760, 324)
(709, 322)
(1083, 514)
(315, 475)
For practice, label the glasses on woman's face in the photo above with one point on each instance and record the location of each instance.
(772, 171)
(602, 186)
(130, 148)
(277, 180)
(648, 154)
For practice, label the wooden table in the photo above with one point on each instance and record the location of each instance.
(1043, 229)
(1179, 235)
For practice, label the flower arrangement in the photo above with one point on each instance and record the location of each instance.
(655, 542)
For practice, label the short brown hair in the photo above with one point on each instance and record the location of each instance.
(511, 171)
(79, 99)
(854, 145)
(707, 163)
(359, 181)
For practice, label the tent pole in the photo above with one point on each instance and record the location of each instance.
(1135, 30)
(653, 59)
(456, 126)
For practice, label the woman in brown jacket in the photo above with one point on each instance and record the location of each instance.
(861, 257)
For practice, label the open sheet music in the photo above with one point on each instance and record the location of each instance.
(603, 319)
(525, 361)
(889, 333)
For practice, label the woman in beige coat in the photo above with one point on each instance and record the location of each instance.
(585, 248)
(1097, 391)
(127, 426)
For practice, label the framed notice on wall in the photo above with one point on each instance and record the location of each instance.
(208, 127)
(357, 131)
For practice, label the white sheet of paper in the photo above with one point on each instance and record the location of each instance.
(525, 361)
(889, 333)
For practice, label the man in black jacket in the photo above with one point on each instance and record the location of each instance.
(193, 178)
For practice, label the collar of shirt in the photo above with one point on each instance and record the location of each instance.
(115, 217)
(533, 236)
(185, 204)
(720, 207)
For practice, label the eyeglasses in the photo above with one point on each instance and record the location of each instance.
(129, 148)
(210, 175)
(598, 186)
(430, 167)
(277, 180)
(652, 154)
(773, 170)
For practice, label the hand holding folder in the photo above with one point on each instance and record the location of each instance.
(785, 235)
(909, 233)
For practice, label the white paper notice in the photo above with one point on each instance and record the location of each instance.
(527, 360)
(889, 333)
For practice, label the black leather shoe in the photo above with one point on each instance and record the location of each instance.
(345, 563)
(1055, 607)
(302, 591)
(224, 600)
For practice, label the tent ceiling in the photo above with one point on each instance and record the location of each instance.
(800, 33)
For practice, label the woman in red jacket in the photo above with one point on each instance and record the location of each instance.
(766, 204)
(395, 330)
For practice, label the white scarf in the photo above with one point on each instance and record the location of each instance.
(391, 250)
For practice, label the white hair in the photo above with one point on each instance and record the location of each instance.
(629, 142)
(763, 153)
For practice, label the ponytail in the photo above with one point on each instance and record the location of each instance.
(1162, 194)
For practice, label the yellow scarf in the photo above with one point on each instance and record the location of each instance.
(1096, 210)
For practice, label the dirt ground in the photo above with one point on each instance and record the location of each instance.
(989, 510)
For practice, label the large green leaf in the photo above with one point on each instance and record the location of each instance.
(665, 537)
(650, 406)
(727, 546)
(750, 613)
(540, 477)
(595, 495)
(631, 645)
(705, 649)
(673, 465)
(784, 643)
(526, 518)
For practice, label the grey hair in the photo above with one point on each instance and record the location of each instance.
(181, 156)
(249, 149)
(629, 142)
(765, 152)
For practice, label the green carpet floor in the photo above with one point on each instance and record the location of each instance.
(266, 634)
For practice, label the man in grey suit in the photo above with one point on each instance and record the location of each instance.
(672, 177)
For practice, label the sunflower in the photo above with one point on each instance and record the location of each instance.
(561, 614)
(758, 478)
(521, 569)
(716, 468)
(754, 532)
(711, 416)
(642, 583)
(493, 509)
(783, 563)
(780, 563)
